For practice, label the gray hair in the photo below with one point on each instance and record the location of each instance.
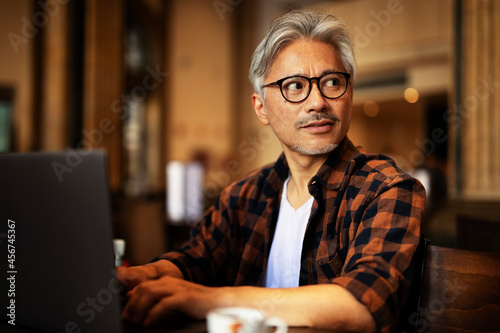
(295, 25)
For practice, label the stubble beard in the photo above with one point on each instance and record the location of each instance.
(311, 151)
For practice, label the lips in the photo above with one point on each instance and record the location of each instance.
(319, 126)
(318, 123)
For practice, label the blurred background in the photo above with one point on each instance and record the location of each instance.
(154, 81)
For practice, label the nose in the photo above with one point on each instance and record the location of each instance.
(316, 102)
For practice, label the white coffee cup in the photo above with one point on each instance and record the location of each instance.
(242, 320)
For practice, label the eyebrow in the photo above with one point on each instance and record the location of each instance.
(328, 71)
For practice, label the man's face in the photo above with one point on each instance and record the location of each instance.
(316, 125)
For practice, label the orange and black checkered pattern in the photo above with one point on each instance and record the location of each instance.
(362, 233)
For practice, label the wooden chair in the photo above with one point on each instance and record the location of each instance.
(460, 291)
(409, 317)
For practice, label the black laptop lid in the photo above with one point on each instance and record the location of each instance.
(56, 254)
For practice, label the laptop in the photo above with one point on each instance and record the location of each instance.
(56, 250)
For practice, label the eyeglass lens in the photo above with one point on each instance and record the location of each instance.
(296, 89)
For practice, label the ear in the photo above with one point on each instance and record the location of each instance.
(260, 109)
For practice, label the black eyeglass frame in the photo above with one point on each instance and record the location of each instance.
(279, 83)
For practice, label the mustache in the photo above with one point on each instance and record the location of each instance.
(316, 117)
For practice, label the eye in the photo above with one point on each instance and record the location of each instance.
(294, 84)
(332, 82)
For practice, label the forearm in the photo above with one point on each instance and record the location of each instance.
(323, 306)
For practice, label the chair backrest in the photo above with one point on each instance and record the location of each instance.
(409, 317)
(460, 291)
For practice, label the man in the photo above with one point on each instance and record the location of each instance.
(322, 238)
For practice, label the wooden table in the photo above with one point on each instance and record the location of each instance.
(184, 326)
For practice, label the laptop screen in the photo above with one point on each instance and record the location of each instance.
(56, 242)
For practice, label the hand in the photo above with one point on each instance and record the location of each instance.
(152, 301)
(130, 277)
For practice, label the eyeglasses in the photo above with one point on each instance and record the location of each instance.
(296, 89)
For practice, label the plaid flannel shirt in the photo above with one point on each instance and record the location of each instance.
(362, 233)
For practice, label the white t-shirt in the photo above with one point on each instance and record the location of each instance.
(283, 268)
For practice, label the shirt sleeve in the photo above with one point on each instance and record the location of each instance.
(202, 256)
(377, 268)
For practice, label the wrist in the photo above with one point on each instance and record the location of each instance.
(161, 268)
(152, 271)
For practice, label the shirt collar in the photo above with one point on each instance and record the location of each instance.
(330, 174)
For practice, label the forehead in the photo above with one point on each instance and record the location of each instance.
(307, 57)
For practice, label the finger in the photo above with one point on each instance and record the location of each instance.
(138, 304)
(121, 275)
(193, 302)
(142, 298)
(127, 277)
(130, 293)
(162, 310)
(133, 310)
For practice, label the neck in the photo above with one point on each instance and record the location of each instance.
(302, 169)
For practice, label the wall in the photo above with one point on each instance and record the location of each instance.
(200, 101)
(394, 131)
(477, 116)
(16, 65)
